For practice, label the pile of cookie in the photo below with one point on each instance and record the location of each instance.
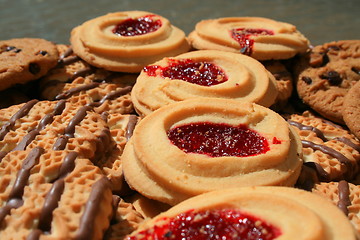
(239, 130)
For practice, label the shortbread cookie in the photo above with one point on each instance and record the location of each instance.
(107, 91)
(250, 213)
(52, 195)
(325, 74)
(260, 38)
(345, 195)
(25, 59)
(205, 73)
(199, 145)
(127, 41)
(351, 109)
(332, 150)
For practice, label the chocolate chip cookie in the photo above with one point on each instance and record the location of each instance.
(326, 73)
(25, 59)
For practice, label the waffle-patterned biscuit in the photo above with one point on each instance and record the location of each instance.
(199, 145)
(351, 110)
(125, 221)
(205, 73)
(332, 150)
(250, 213)
(52, 195)
(260, 38)
(127, 41)
(73, 77)
(343, 194)
(25, 59)
(325, 74)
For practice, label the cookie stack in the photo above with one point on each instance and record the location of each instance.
(240, 129)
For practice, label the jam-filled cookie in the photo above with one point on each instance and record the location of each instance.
(204, 73)
(199, 145)
(260, 38)
(327, 147)
(127, 41)
(325, 74)
(25, 59)
(250, 213)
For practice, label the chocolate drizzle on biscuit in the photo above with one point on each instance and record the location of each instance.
(15, 197)
(24, 110)
(344, 196)
(133, 120)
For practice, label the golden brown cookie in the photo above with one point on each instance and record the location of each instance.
(351, 109)
(52, 194)
(127, 41)
(250, 213)
(325, 74)
(74, 78)
(199, 145)
(260, 38)
(329, 148)
(205, 73)
(25, 59)
(344, 195)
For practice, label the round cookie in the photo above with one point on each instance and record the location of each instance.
(203, 144)
(351, 109)
(127, 41)
(250, 213)
(25, 59)
(325, 74)
(260, 38)
(203, 73)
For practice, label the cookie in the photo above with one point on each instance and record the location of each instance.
(127, 41)
(260, 38)
(203, 73)
(200, 145)
(25, 59)
(345, 196)
(284, 82)
(53, 194)
(250, 213)
(351, 109)
(74, 78)
(327, 147)
(325, 74)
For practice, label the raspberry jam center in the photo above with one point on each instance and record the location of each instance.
(218, 139)
(200, 73)
(138, 26)
(242, 36)
(209, 225)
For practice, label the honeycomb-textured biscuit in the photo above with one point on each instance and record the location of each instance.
(52, 195)
(343, 194)
(325, 74)
(329, 148)
(25, 59)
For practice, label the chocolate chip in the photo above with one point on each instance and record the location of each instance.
(12, 48)
(307, 80)
(356, 70)
(34, 68)
(334, 47)
(43, 53)
(333, 77)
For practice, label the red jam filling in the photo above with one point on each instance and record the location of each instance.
(209, 225)
(201, 73)
(242, 36)
(218, 139)
(138, 26)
